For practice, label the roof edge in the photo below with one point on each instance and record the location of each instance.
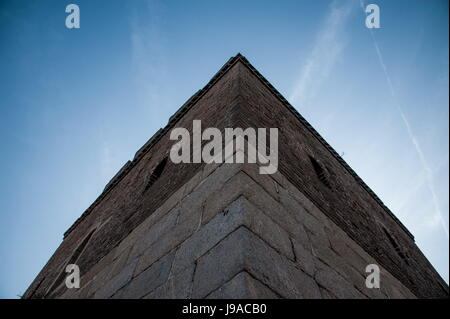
(154, 139)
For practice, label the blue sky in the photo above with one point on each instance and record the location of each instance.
(77, 104)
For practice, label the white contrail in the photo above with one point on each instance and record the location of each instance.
(415, 142)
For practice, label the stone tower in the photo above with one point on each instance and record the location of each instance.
(165, 230)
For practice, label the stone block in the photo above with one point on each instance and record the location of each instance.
(265, 181)
(301, 215)
(243, 286)
(243, 250)
(240, 212)
(220, 264)
(304, 257)
(231, 190)
(242, 184)
(99, 279)
(149, 279)
(188, 221)
(332, 281)
(111, 286)
(155, 232)
(120, 262)
(178, 286)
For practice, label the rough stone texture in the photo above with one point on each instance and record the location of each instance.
(225, 231)
(241, 286)
(242, 251)
(178, 286)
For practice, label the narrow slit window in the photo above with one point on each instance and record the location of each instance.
(320, 172)
(396, 246)
(157, 172)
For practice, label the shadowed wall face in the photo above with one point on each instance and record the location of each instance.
(306, 160)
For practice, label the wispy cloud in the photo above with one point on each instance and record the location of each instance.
(147, 51)
(107, 161)
(328, 46)
(438, 215)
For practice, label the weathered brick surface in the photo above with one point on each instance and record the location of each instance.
(222, 231)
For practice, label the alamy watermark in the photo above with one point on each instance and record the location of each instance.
(373, 277)
(237, 146)
(73, 19)
(73, 277)
(373, 17)
(372, 20)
